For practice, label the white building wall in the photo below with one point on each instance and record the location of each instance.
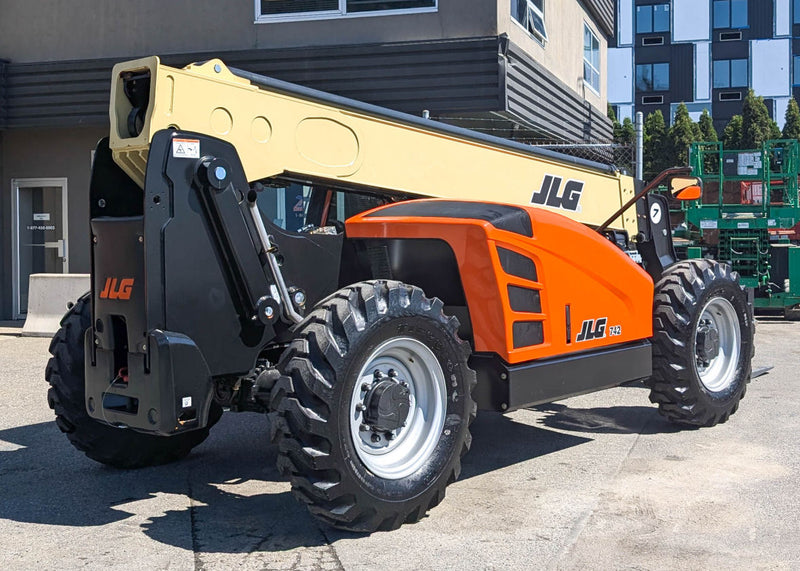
(691, 20)
(702, 71)
(625, 23)
(783, 18)
(620, 75)
(770, 67)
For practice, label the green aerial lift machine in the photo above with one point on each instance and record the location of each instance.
(748, 216)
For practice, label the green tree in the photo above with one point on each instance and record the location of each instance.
(615, 124)
(627, 134)
(706, 125)
(756, 126)
(683, 133)
(732, 134)
(656, 145)
(774, 130)
(791, 127)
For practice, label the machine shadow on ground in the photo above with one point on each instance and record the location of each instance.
(606, 420)
(238, 503)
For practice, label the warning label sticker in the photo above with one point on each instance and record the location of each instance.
(186, 148)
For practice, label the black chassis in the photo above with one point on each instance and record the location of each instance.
(215, 290)
(204, 304)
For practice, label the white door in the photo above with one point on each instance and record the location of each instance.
(39, 233)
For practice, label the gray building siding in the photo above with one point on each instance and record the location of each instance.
(444, 77)
(536, 95)
(604, 12)
(439, 76)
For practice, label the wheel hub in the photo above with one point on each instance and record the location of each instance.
(386, 404)
(398, 408)
(707, 343)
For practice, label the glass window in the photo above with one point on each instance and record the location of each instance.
(644, 19)
(722, 73)
(591, 59)
(730, 73)
(796, 70)
(796, 11)
(654, 18)
(652, 77)
(530, 13)
(661, 18)
(275, 9)
(730, 13)
(738, 73)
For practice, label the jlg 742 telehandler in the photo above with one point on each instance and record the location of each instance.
(370, 279)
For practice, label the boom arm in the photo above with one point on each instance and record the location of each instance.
(282, 130)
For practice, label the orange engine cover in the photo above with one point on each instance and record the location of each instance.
(537, 284)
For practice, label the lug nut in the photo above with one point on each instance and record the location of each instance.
(375, 438)
(365, 386)
(389, 435)
(392, 373)
(377, 374)
(363, 428)
(404, 384)
(360, 407)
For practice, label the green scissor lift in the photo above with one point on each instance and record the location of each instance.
(747, 217)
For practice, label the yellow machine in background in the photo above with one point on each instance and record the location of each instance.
(282, 134)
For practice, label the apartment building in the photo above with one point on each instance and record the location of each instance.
(515, 68)
(705, 53)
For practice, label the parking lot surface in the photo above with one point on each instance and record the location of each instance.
(593, 482)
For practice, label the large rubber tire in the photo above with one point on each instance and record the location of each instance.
(118, 447)
(332, 467)
(689, 385)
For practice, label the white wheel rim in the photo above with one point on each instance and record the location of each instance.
(410, 446)
(718, 373)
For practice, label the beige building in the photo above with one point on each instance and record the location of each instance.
(523, 69)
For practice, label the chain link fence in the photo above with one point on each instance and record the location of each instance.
(620, 155)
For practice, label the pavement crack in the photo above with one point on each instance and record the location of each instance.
(331, 549)
(583, 521)
(198, 562)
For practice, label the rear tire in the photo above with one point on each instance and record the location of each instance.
(118, 447)
(368, 340)
(702, 343)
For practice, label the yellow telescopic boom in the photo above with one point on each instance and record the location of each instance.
(283, 131)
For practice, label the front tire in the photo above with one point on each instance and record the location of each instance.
(118, 447)
(373, 411)
(702, 343)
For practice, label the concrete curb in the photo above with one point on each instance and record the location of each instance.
(48, 295)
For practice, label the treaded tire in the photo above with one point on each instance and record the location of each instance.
(116, 447)
(681, 295)
(312, 402)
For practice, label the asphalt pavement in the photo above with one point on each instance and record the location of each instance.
(593, 482)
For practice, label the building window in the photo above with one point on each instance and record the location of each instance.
(796, 70)
(530, 14)
(591, 59)
(730, 13)
(652, 77)
(272, 10)
(796, 11)
(730, 73)
(651, 19)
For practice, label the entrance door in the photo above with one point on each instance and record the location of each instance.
(40, 230)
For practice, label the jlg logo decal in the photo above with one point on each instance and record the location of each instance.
(592, 329)
(111, 291)
(548, 194)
